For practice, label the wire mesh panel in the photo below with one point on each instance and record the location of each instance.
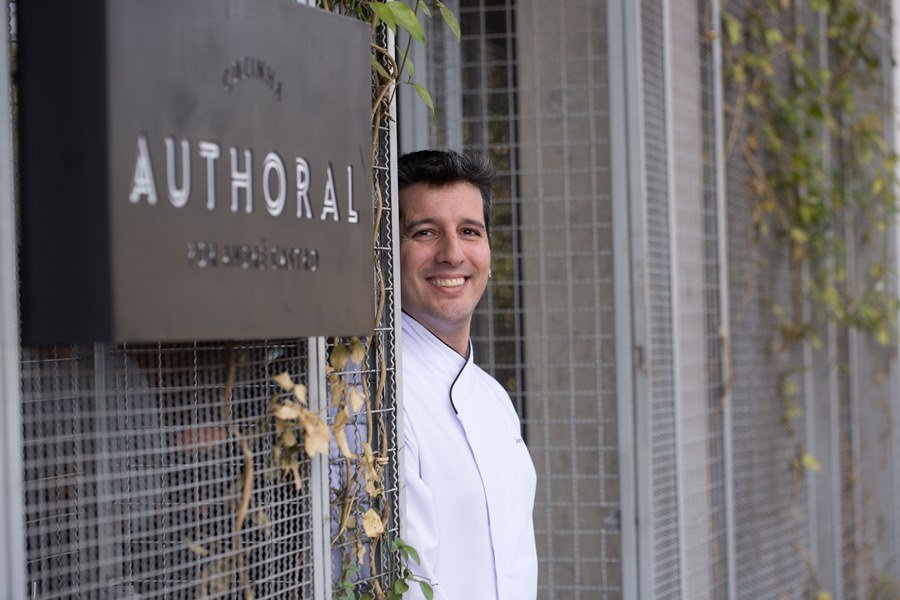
(715, 392)
(869, 516)
(376, 376)
(489, 125)
(698, 346)
(547, 104)
(666, 579)
(136, 466)
(771, 523)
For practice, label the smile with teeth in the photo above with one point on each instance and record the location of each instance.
(442, 282)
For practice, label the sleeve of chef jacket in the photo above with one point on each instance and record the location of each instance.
(421, 522)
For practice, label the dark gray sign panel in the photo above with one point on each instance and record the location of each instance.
(193, 170)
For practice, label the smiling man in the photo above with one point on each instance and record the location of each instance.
(470, 481)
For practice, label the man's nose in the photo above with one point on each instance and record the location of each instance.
(450, 250)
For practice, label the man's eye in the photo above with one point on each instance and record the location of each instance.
(422, 233)
(474, 232)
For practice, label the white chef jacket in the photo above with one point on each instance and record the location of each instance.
(470, 481)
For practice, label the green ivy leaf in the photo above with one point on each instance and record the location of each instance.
(411, 552)
(401, 587)
(407, 19)
(811, 462)
(426, 590)
(384, 13)
(732, 28)
(425, 96)
(378, 67)
(450, 20)
(425, 10)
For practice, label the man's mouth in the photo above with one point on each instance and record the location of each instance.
(447, 282)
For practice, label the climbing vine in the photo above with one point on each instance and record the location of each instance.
(363, 505)
(808, 113)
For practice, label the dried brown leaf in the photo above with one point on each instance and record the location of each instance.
(195, 547)
(339, 355)
(289, 411)
(289, 439)
(355, 399)
(294, 468)
(337, 389)
(372, 524)
(300, 393)
(315, 439)
(357, 351)
(340, 434)
(284, 380)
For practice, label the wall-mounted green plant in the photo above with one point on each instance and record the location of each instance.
(808, 114)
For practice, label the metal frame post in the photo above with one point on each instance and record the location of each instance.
(724, 297)
(12, 500)
(319, 473)
(398, 306)
(675, 307)
(628, 198)
(895, 367)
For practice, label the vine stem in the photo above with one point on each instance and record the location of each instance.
(247, 486)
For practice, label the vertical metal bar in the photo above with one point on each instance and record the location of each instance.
(397, 303)
(320, 483)
(895, 366)
(675, 307)
(452, 117)
(855, 423)
(416, 116)
(12, 500)
(628, 197)
(109, 483)
(834, 458)
(809, 416)
(833, 386)
(724, 297)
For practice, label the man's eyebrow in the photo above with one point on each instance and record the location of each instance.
(426, 221)
(430, 221)
(474, 223)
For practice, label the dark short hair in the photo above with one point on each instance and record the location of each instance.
(439, 168)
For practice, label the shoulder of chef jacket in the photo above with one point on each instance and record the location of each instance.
(470, 482)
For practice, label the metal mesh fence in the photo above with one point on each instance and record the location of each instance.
(716, 543)
(134, 471)
(666, 577)
(535, 99)
(378, 375)
(869, 512)
(771, 523)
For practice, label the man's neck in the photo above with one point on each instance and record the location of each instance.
(456, 338)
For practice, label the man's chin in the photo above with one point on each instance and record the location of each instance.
(443, 319)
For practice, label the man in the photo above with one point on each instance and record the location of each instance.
(470, 481)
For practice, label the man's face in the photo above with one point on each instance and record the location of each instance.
(445, 257)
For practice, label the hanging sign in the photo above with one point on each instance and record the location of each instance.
(193, 170)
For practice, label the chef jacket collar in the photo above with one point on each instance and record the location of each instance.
(446, 359)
